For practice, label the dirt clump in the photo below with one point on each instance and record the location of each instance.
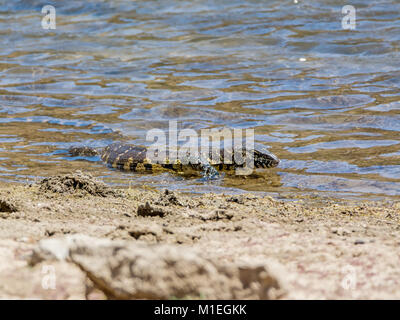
(138, 231)
(150, 210)
(236, 199)
(76, 182)
(214, 215)
(7, 205)
(168, 198)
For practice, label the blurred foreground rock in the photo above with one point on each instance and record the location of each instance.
(128, 270)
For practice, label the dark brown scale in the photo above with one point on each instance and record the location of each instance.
(168, 166)
(117, 155)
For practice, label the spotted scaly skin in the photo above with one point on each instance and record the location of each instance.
(134, 158)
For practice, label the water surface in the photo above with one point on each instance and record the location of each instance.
(324, 99)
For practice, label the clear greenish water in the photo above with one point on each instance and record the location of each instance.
(324, 99)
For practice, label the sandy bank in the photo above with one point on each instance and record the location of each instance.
(252, 246)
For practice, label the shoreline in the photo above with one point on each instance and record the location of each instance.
(311, 248)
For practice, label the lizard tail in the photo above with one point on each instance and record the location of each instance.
(83, 151)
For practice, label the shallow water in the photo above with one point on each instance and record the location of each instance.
(324, 99)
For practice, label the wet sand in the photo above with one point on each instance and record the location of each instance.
(58, 240)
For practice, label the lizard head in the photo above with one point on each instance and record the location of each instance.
(265, 160)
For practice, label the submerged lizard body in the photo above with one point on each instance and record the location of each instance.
(135, 158)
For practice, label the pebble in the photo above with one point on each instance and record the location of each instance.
(359, 241)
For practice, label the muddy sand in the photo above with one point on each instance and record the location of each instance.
(73, 237)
